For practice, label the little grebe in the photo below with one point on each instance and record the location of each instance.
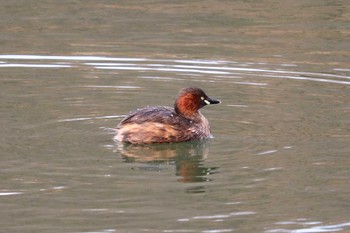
(161, 124)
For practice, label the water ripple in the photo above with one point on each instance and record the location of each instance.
(320, 228)
(9, 193)
(220, 69)
(90, 118)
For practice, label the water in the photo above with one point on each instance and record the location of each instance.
(278, 161)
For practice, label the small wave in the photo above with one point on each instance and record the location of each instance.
(324, 228)
(9, 193)
(220, 69)
(35, 65)
(90, 118)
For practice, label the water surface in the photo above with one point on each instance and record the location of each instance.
(279, 159)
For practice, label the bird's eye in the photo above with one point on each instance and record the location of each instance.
(205, 101)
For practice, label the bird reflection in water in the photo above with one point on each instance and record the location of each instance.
(187, 157)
